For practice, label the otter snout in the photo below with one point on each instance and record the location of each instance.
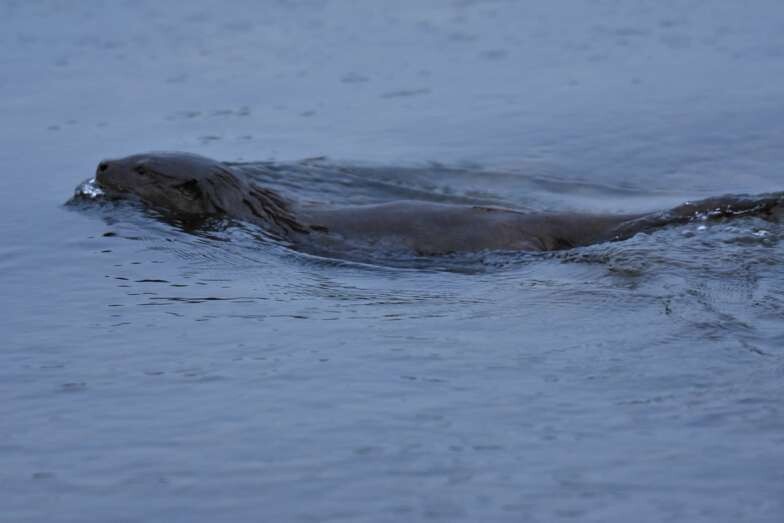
(104, 173)
(102, 170)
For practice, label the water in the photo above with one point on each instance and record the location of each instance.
(151, 374)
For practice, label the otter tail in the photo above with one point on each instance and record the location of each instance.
(768, 206)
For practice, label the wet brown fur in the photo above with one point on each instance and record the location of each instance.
(194, 186)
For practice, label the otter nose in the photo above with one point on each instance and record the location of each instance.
(103, 171)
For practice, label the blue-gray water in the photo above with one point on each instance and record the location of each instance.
(156, 375)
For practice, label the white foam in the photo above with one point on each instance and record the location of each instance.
(90, 189)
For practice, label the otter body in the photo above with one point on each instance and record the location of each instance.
(194, 187)
(434, 228)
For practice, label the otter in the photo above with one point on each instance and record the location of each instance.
(193, 187)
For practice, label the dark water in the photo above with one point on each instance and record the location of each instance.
(155, 375)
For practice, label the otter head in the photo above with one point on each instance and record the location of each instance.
(191, 186)
(173, 182)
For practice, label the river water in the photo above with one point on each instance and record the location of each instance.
(152, 374)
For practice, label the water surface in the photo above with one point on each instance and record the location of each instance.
(151, 374)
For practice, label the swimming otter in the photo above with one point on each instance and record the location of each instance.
(190, 186)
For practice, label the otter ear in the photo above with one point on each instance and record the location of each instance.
(190, 189)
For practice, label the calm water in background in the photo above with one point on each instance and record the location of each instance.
(154, 375)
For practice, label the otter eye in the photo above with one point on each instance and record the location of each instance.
(189, 189)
